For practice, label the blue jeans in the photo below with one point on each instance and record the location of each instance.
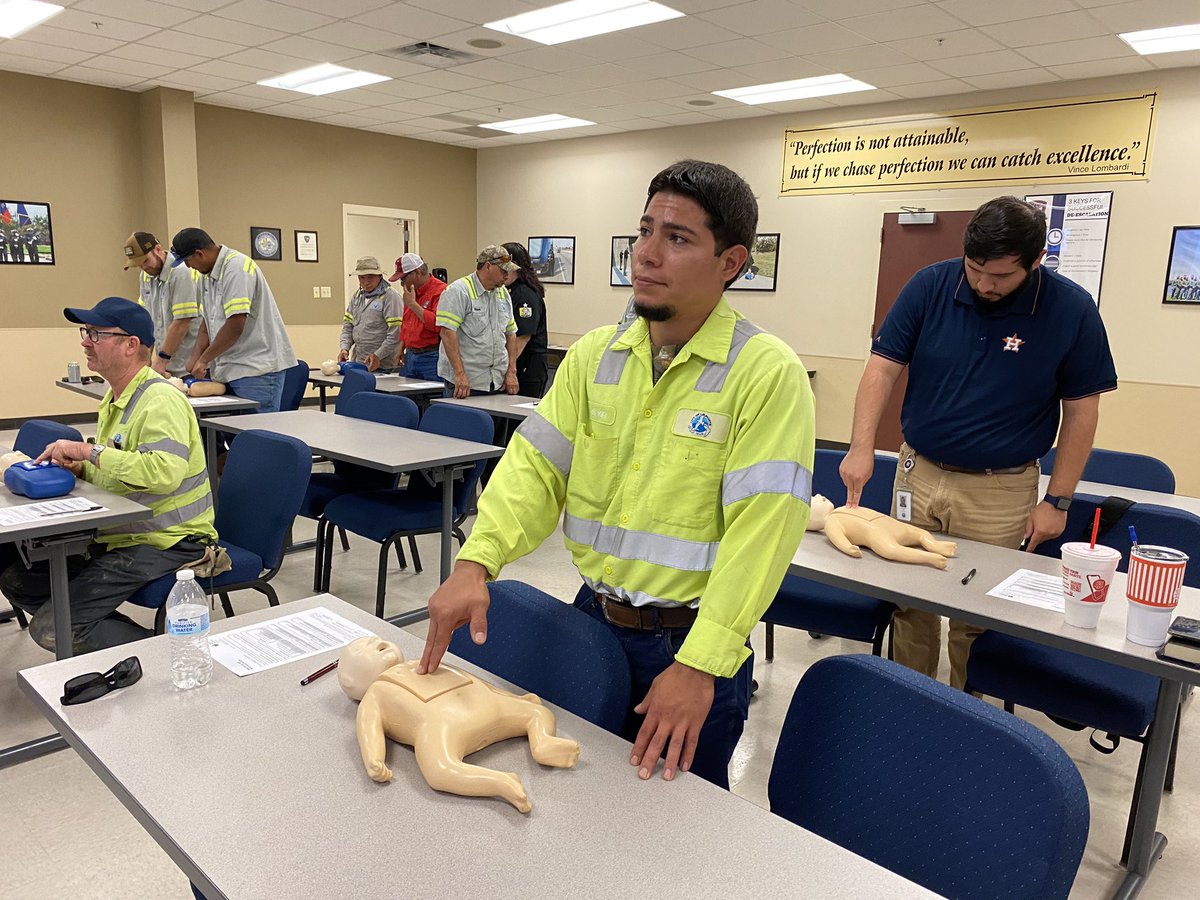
(420, 364)
(266, 389)
(652, 652)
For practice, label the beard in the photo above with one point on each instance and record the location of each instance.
(654, 313)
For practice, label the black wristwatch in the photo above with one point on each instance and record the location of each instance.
(162, 355)
(1062, 504)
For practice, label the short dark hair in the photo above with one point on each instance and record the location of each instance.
(1006, 226)
(727, 201)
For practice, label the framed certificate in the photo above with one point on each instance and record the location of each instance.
(306, 246)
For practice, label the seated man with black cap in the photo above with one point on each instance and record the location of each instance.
(148, 448)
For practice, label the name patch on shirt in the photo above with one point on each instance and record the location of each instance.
(701, 424)
(600, 414)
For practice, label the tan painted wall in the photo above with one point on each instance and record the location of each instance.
(594, 188)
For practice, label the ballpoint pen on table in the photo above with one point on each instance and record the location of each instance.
(324, 670)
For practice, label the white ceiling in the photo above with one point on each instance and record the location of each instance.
(641, 78)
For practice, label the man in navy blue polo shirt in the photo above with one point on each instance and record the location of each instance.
(997, 348)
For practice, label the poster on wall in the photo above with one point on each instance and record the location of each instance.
(1183, 268)
(25, 235)
(553, 259)
(1076, 235)
(764, 259)
(619, 263)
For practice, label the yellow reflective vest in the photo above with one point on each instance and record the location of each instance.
(694, 490)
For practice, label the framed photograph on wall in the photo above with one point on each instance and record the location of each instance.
(25, 235)
(619, 269)
(306, 246)
(266, 243)
(553, 259)
(764, 259)
(1183, 267)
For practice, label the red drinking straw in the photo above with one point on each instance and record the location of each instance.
(1095, 527)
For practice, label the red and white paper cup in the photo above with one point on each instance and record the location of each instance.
(1152, 587)
(1087, 573)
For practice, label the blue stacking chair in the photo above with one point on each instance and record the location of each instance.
(929, 782)
(353, 382)
(346, 478)
(1076, 691)
(1133, 470)
(295, 382)
(552, 649)
(820, 608)
(385, 516)
(260, 491)
(35, 435)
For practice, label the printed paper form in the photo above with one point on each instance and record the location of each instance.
(531, 405)
(1032, 588)
(47, 509)
(256, 648)
(215, 400)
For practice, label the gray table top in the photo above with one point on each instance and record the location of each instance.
(383, 447)
(942, 592)
(1100, 489)
(202, 405)
(255, 786)
(117, 510)
(384, 384)
(505, 406)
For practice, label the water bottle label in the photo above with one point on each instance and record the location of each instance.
(185, 626)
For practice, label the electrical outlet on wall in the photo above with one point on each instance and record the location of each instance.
(316, 292)
(326, 291)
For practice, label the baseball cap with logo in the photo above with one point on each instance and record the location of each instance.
(139, 244)
(187, 242)
(116, 312)
(497, 255)
(409, 262)
(367, 265)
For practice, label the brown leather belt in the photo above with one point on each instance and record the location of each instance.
(1011, 470)
(645, 618)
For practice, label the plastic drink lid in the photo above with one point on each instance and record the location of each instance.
(1160, 554)
(185, 575)
(1084, 549)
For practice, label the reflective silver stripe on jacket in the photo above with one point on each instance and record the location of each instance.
(166, 445)
(612, 363)
(712, 379)
(637, 598)
(165, 520)
(137, 395)
(189, 484)
(548, 441)
(776, 476)
(643, 546)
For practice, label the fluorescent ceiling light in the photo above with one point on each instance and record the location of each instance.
(323, 79)
(538, 123)
(801, 89)
(583, 18)
(17, 16)
(1164, 40)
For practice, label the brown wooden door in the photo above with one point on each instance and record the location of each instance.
(905, 249)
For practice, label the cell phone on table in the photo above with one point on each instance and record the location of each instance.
(1185, 629)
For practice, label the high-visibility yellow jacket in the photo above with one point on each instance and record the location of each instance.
(692, 490)
(154, 456)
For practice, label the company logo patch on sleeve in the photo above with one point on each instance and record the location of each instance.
(525, 311)
(706, 426)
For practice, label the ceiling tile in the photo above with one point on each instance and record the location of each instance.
(912, 73)
(416, 108)
(941, 46)
(898, 24)
(273, 62)
(837, 9)
(190, 43)
(814, 38)
(310, 50)
(685, 118)
(1003, 80)
(666, 64)
(861, 99)
(495, 70)
(195, 5)
(447, 81)
(402, 89)
(604, 75)
(1107, 47)
(716, 80)
(268, 14)
(872, 56)
(238, 101)
(760, 17)
(355, 36)
(244, 74)
(1101, 68)
(237, 33)
(644, 108)
(172, 59)
(72, 40)
(740, 52)
(932, 88)
(989, 12)
(140, 11)
(779, 70)
(351, 120)
(682, 34)
(503, 92)
(792, 106)
(127, 66)
(464, 101)
(417, 24)
(982, 63)
(1143, 15)
(29, 65)
(24, 49)
(385, 65)
(544, 59)
(1045, 30)
(1184, 59)
(619, 45)
(342, 8)
(190, 79)
(603, 98)
(101, 26)
(473, 10)
(89, 75)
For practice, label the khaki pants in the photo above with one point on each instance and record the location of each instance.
(992, 509)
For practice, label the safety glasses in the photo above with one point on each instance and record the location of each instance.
(85, 688)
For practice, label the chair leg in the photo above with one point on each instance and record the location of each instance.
(459, 536)
(22, 622)
(1133, 803)
(400, 556)
(416, 556)
(272, 597)
(319, 558)
(770, 642)
(877, 643)
(327, 562)
(345, 540)
(891, 642)
(226, 605)
(1010, 708)
(160, 620)
(381, 584)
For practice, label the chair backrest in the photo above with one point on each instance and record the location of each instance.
(552, 649)
(876, 495)
(36, 435)
(353, 382)
(929, 782)
(1154, 524)
(1133, 470)
(386, 409)
(465, 424)
(295, 381)
(262, 486)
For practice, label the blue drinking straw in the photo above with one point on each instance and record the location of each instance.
(1133, 536)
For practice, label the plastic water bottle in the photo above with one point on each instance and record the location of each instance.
(187, 624)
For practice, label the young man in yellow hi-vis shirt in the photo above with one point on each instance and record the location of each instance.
(678, 447)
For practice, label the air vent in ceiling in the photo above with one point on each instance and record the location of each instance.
(428, 54)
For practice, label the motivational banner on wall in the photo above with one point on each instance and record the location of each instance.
(1088, 139)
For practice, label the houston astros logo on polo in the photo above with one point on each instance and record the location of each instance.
(1013, 343)
(701, 425)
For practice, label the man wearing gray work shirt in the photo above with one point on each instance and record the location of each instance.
(172, 297)
(242, 341)
(371, 324)
(478, 331)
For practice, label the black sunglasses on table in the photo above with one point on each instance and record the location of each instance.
(85, 688)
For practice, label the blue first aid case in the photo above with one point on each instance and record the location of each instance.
(191, 379)
(345, 367)
(39, 481)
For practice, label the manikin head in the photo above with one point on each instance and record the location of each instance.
(819, 511)
(363, 661)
